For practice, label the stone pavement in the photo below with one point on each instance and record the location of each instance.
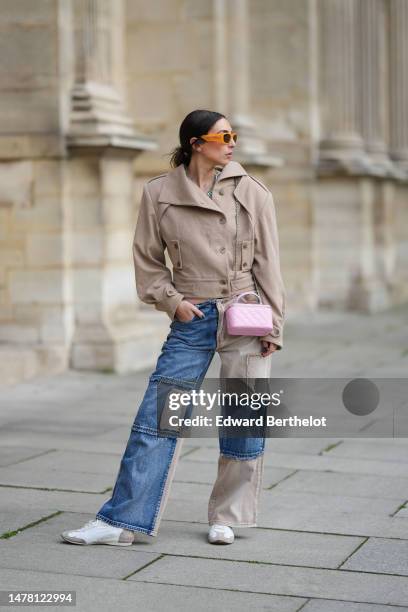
(333, 524)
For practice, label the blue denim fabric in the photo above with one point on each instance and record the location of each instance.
(144, 469)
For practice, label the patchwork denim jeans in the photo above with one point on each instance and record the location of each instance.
(149, 461)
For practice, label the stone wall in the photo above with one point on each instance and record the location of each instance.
(92, 96)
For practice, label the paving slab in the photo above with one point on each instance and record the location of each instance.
(73, 461)
(277, 579)
(380, 555)
(64, 558)
(18, 518)
(350, 485)
(402, 512)
(55, 479)
(279, 497)
(15, 498)
(116, 434)
(362, 524)
(50, 426)
(10, 455)
(391, 450)
(62, 442)
(375, 441)
(325, 605)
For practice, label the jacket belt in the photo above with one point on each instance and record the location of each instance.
(214, 288)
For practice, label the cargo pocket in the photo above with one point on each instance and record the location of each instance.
(174, 248)
(247, 254)
(257, 367)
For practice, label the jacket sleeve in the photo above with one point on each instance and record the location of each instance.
(153, 278)
(266, 269)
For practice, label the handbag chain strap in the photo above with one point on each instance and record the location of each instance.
(236, 239)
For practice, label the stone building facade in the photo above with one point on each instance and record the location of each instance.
(92, 95)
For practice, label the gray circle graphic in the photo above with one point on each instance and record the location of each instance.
(361, 396)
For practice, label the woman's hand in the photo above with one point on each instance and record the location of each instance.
(269, 346)
(186, 310)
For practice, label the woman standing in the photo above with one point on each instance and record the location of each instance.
(192, 211)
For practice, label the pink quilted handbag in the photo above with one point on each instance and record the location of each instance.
(248, 319)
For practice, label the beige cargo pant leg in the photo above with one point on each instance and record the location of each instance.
(234, 499)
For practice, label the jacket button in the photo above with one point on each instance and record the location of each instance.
(224, 291)
(221, 192)
(275, 333)
(244, 246)
(223, 220)
(170, 291)
(222, 250)
(176, 245)
(245, 265)
(223, 282)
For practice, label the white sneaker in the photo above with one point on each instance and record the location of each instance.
(220, 534)
(97, 531)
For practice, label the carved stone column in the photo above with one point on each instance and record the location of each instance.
(109, 331)
(232, 80)
(97, 107)
(341, 145)
(373, 77)
(369, 286)
(399, 83)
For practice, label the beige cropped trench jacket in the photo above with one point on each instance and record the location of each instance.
(199, 235)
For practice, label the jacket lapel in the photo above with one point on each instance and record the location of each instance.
(234, 169)
(241, 194)
(178, 188)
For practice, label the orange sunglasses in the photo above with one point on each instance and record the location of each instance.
(222, 138)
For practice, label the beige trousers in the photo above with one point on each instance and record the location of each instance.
(234, 499)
